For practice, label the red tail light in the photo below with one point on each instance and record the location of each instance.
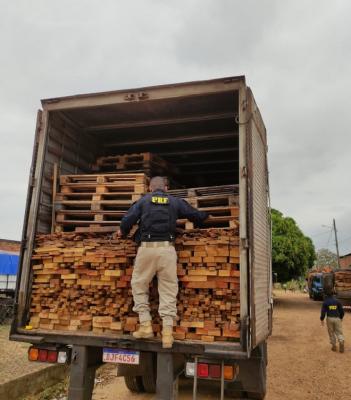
(43, 355)
(52, 356)
(202, 370)
(215, 371)
(49, 355)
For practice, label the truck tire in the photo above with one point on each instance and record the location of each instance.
(134, 384)
(149, 383)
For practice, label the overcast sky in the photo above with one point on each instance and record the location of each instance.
(295, 55)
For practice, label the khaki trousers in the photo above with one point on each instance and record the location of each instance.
(162, 262)
(334, 326)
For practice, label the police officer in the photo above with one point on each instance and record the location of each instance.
(335, 313)
(157, 213)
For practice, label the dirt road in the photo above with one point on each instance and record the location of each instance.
(301, 364)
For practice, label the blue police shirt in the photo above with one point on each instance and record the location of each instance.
(332, 308)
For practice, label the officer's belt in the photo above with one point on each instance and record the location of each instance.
(156, 244)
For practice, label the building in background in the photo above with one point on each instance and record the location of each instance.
(10, 246)
(9, 257)
(345, 261)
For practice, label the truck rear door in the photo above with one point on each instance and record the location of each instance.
(259, 225)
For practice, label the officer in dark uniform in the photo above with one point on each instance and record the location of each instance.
(157, 213)
(335, 313)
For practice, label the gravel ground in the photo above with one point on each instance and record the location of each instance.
(14, 359)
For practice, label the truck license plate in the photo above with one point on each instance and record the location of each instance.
(120, 356)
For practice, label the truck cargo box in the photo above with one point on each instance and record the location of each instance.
(211, 131)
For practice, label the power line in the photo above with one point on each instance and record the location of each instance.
(319, 234)
(325, 232)
(330, 235)
(344, 240)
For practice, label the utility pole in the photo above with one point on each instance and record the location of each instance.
(336, 242)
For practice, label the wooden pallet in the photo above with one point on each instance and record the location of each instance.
(103, 183)
(96, 201)
(148, 163)
(88, 203)
(214, 201)
(215, 221)
(205, 191)
(221, 202)
(103, 178)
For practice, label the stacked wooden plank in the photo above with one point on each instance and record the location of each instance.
(221, 202)
(82, 282)
(343, 282)
(96, 203)
(209, 292)
(148, 163)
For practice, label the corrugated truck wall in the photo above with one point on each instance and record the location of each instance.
(72, 150)
(260, 226)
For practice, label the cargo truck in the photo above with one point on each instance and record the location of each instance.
(212, 131)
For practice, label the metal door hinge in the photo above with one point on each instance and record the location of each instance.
(244, 104)
(244, 172)
(136, 96)
(130, 97)
(143, 95)
(245, 243)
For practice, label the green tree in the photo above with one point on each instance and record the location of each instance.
(293, 253)
(326, 258)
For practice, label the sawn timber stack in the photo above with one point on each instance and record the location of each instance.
(343, 282)
(81, 282)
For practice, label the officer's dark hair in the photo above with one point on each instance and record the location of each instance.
(158, 182)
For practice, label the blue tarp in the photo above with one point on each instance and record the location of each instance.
(8, 264)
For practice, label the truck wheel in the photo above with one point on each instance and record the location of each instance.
(149, 383)
(134, 384)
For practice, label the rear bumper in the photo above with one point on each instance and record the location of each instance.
(216, 350)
